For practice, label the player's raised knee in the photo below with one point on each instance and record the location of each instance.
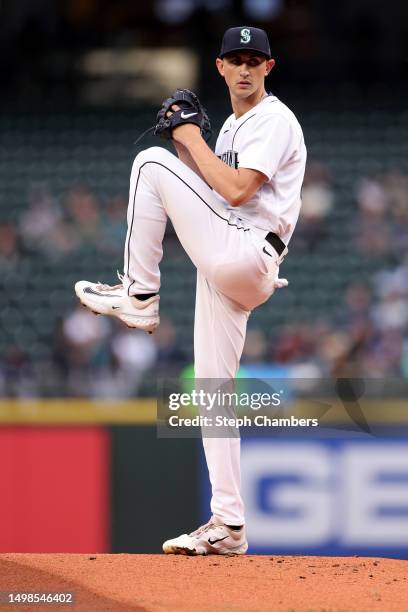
(152, 154)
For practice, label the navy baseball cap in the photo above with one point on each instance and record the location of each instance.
(245, 38)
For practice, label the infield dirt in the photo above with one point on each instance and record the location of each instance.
(120, 583)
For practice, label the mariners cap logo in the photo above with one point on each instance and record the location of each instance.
(245, 36)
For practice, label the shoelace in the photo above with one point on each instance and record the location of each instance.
(203, 528)
(105, 287)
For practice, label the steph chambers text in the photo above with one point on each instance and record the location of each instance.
(223, 421)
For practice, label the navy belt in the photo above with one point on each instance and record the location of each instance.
(276, 242)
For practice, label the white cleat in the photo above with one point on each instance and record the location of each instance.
(113, 301)
(213, 538)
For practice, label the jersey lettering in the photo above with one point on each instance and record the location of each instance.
(230, 158)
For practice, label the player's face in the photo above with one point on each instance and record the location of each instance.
(244, 72)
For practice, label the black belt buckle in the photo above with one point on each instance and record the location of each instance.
(276, 242)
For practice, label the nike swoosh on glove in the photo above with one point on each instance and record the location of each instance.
(190, 111)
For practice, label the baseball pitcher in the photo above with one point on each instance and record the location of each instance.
(234, 211)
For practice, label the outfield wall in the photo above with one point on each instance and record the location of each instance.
(81, 476)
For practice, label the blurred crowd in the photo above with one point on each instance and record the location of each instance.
(79, 223)
(366, 335)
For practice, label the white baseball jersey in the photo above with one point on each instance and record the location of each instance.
(236, 267)
(267, 138)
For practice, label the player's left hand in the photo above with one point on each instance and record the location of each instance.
(183, 109)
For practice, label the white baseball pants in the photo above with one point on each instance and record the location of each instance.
(234, 276)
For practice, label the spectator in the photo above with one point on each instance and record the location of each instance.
(9, 247)
(317, 202)
(373, 227)
(114, 227)
(336, 355)
(294, 344)
(97, 357)
(41, 217)
(255, 347)
(42, 226)
(133, 352)
(392, 310)
(17, 377)
(86, 346)
(84, 210)
(404, 357)
(355, 315)
(396, 185)
(385, 357)
(168, 348)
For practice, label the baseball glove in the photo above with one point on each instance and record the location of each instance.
(191, 111)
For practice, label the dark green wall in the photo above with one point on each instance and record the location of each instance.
(155, 488)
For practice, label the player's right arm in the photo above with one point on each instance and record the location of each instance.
(235, 185)
(184, 156)
(266, 143)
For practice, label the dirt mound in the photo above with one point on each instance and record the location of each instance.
(158, 582)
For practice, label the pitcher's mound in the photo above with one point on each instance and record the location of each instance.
(120, 583)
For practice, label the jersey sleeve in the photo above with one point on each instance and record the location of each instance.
(266, 144)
